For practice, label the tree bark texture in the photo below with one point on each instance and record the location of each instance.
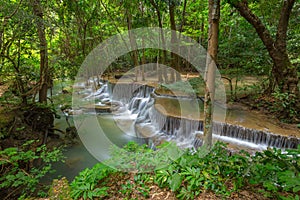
(45, 80)
(214, 16)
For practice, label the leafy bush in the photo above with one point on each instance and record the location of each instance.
(18, 171)
(85, 184)
(222, 173)
(276, 171)
(286, 104)
(191, 172)
(140, 158)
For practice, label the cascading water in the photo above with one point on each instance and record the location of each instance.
(137, 107)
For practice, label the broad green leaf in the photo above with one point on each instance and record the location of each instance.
(175, 182)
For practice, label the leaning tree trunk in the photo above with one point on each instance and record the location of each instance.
(214, 16)
(44, 70)
(283, 71)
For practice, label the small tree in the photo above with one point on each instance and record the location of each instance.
(214, 16)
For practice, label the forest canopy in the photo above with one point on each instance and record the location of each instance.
(42, 41)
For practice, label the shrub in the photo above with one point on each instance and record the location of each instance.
(85, 184)
(19, 174)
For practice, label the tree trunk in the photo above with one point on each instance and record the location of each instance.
(144, 54)
(201, 37)
(214, 16)
(44, 70)
(183, 16)
(285, 74)
(180, 62)
(143, 60)
(134, 53)
(161, 72)
(174, 57)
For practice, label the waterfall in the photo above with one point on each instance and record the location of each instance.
(255, 136)
(138, 102)
(125, 92)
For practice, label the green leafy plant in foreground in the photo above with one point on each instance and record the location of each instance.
(85, 184)
(277, 171)
(273, 170)
(18, 171)
(192, 172)
(140, 158)
(135, 186)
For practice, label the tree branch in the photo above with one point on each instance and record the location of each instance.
(281, 34)
(264, 34)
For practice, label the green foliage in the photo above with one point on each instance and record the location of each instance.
(19, 172)
(85, 184)
(190, 174)
(197, 84)
(138, 184)
(141, 179)
(240, 48)
(193, 172)
(134, 157)
(286, 104)
(9, 98)
(276, 171)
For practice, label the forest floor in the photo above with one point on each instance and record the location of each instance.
(117, 182)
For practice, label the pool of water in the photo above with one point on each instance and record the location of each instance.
(94, 145)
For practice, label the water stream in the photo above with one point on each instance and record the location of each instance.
(118, 113)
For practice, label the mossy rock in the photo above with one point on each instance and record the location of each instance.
(60, 190)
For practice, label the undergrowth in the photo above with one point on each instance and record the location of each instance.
(274, 172)
(285, 106)
(22, 168)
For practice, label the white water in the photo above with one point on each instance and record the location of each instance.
(136, 116)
